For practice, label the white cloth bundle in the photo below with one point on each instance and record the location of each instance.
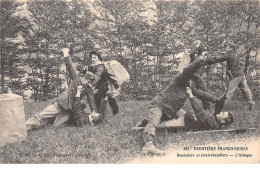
(12, 119)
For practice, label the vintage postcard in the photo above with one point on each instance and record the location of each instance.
(130, 82)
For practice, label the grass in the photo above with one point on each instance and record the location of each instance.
(113, 141)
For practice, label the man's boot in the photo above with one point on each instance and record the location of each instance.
(150, 148)
(32, 123)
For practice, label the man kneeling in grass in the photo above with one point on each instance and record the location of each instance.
(200, 119)
(68, 106)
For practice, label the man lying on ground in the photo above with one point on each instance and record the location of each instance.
(200, 119)
(62, 108)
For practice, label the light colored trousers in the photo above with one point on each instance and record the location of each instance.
(155, 117)
(51, 111)
(241, 83)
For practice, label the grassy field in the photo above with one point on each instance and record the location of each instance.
(113, 141)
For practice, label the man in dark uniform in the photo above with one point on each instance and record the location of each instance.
(235, 73)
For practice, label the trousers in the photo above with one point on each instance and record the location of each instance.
(51, 111)
(101, 99)
(241, 83)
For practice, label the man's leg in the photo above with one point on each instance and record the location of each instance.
(103, 107)
(154, 118)
(247, 93)
(232, 85)
(62, 118)
(88, 91)
(113, 104)
(36, 121)
(179, 122)
(97, 98)
(101, 101)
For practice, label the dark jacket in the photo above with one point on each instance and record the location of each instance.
(201, 85)
(233, 62)
(101, 77)
(79, 117)
(173, 97)
(67, 97)
(98, 80)
(203, 120)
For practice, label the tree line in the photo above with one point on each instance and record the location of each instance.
(144, 35)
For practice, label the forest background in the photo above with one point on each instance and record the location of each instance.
(148, 37)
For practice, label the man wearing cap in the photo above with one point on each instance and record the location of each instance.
(169, 101)
(235, 73)
(62, 108)
(100, 82)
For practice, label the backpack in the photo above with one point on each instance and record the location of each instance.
(116, 71)
(185, 61)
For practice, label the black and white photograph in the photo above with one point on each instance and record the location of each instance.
(130, 82)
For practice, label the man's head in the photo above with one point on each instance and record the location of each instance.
(95, 57)
(224, 118)
(200, 51)
(203, 55)
(196, 44)
(95, 117)
(229, 46)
